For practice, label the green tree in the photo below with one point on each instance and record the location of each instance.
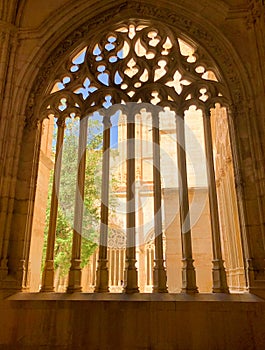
(64, 227)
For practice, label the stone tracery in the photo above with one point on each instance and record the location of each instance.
(216, 26)
(143, 63)
(138, 63)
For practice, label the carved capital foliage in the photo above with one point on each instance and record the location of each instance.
(8, 28)
(256, 9)
(30, 122)
(241, 109)
(148, 13)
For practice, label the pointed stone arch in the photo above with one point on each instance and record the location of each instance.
(228, 64)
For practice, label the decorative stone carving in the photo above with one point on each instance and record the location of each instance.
(116, 239)
(189, 26)
(255, 8)
(136, 62)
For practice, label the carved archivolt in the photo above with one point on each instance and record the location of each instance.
(135, 62)
(147, 12)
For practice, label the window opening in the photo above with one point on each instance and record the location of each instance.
(144, 106)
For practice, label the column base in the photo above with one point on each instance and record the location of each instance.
(131, 278)
(48, 277)
(255, 279)
(74, 279)
(3, 268)
(250, 273)
(9, 286)
(102, 277)
(160, 277)
(188, 277)
(258, 289)
(219, 277)
(15, 281)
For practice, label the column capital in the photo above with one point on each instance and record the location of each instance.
(130, 117)
(207, 113)
(107, 122)
(61, 122)
(180, 115)
(255, 10)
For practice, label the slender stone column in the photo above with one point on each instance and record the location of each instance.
(160, 278)
(48, 272)
(188, 270)
(130, 275)
(74, 281)
(102, 274)
(218, 271)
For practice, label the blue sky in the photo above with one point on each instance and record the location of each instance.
(88, 89)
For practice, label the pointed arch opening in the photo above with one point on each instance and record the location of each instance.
(140, 145)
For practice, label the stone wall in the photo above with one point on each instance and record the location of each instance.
(157, 322)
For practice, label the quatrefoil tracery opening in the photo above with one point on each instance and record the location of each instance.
(136, 63)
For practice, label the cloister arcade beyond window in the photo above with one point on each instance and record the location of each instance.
(136, 143)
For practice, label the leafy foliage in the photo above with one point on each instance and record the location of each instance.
(65, 217)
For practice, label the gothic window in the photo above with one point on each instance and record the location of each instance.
(155, 94)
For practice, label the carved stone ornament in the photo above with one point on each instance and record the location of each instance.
(135, 62)
(255, 9)
(116, 239)
(123, 63)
